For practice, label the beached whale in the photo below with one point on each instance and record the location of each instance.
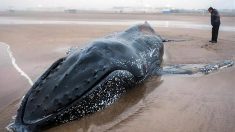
(87, 81)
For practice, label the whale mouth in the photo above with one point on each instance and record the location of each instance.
(119, 80)
(50, 116)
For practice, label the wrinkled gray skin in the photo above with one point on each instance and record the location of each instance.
(87, 81)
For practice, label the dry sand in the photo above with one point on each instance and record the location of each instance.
(166, 104)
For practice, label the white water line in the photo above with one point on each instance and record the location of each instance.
(155, 23)
(13, 61)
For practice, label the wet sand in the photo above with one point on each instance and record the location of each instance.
(168, 103)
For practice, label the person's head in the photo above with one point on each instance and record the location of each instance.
(210, 9)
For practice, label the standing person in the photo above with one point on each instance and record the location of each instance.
(215, 22)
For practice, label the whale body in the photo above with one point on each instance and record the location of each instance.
(89, 80)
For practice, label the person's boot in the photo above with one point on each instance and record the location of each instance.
(212, 41)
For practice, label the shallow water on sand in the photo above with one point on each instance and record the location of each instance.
(167, 103)
(155, 23)
(10, 75)
(13, 85)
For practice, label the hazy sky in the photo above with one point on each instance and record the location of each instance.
(105, 4)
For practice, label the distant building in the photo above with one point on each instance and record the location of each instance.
(11, 10)
(70, 11)
(166, 11)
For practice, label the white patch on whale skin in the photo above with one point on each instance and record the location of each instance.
(214, 67)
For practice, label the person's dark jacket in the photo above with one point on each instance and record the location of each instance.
(215, 18)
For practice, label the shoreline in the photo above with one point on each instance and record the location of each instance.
(168, 103)
(87, 22)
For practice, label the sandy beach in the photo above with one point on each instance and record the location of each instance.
(174, 103)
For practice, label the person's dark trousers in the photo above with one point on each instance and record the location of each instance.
(215, 32)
